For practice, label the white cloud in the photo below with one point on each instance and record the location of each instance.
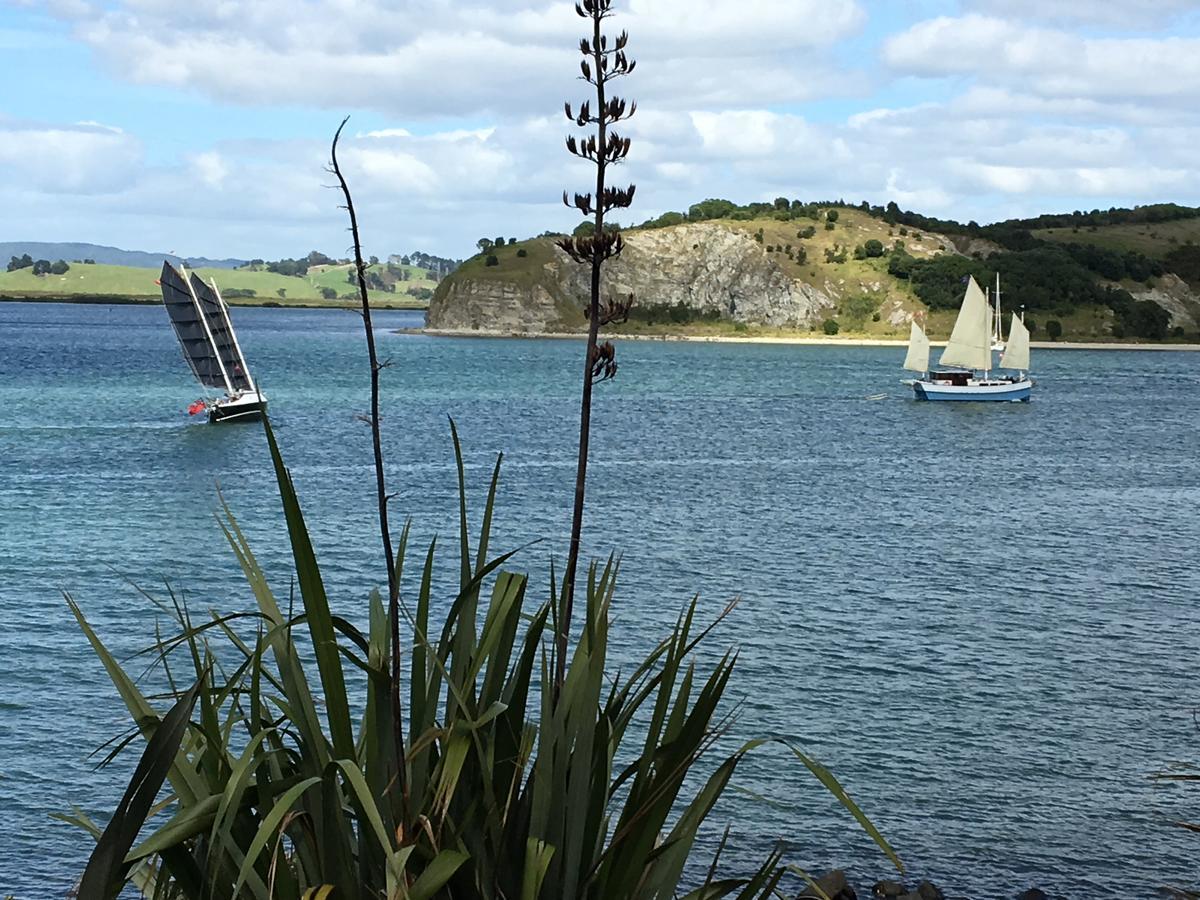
(210, 168)
(86, 158)
(1144, 13)
(1049, 62)
(433, 59)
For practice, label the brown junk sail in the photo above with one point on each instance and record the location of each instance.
(224, 340)
(192, 329)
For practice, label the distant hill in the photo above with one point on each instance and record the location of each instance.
(391, 286)
(110, 256)
(720, 267)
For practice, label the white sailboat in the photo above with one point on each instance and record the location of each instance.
(966, 365)
(201, 321)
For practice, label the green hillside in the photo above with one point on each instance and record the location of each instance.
(239, 286)
(1154, 239)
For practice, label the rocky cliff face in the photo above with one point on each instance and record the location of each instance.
(707, 268)
(465, 304)
(1173, 294)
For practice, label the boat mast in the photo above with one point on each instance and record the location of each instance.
(204, 321)
(998, 325)
(233, 334)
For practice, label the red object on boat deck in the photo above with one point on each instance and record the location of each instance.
(196, 408)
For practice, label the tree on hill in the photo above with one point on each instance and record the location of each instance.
(329, 293)
(317, 258)
(373, 261)
(830, 327)
(22, 262)
(59, 267)
(1054, 329)
(484, 244)
(1184, 261)
(297, 267)
(873, 248)
(831, 215)
(665, 220)
(41, 267)
(711, 209)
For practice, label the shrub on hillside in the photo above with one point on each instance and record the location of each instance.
(522, 253)
(1054, 329)
(491, 260)
(873, 248)
(830, 327)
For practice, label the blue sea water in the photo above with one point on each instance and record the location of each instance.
(981, 618)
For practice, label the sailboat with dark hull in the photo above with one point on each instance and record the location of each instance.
(201, 321)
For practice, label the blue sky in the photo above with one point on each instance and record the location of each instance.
(205, 128)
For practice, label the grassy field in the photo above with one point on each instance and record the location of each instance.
(130, 283)
(1152, 239)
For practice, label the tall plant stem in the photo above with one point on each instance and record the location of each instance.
(380, 478)
(585, 406)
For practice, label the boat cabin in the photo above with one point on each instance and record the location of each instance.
(955, 378)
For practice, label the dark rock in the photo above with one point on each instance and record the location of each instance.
(889, 889)
(834, 885)
(1034, 894)
(928, 891)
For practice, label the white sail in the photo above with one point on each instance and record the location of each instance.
(1016, 353)
(918, 350)
(970, 344)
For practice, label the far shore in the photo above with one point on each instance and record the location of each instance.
(254, 302)
(799, 340)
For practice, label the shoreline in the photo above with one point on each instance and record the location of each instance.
(796, 340)
(254, 302)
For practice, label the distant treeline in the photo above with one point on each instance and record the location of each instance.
(438, 266)
(39, 266)
(1048, 279)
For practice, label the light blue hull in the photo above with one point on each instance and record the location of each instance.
(1015, 392)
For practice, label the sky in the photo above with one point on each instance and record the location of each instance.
(203, 127)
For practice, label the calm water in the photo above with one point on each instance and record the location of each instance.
(983, 619)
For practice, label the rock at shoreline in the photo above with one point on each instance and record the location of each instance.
(888, 889)
(833, 884)
(926, 890)
(711, 272)
(1034, 894)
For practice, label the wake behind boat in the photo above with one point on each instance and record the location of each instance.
(201, 321)
(966, 365)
